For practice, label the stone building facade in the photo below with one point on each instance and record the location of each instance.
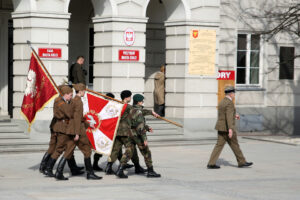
(95, 29)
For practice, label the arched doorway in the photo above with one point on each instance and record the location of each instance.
(157, 46)
(6, 58)
(81, 35)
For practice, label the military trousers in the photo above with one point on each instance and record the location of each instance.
(130, 150)
(52, 143)
(62, 140)
(82, 143)
(145, 151)
(234, 145)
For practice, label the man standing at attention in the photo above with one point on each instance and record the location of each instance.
(226, 131)
(78, 73)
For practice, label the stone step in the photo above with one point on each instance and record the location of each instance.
(42, 147)
(7, 124)
(10, 129)
(5, 118)
(13, 136)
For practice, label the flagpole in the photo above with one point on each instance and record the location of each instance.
(45, 69)
(92, 91)
(162, 118)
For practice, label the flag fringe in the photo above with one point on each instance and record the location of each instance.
(40, 109)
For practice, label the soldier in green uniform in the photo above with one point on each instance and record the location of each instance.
(77, 132)
(226, 131)
(98, 156)
(123, 136)
(139, 137)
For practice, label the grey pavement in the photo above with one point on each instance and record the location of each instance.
(275, 175)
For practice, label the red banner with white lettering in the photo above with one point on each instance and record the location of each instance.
(226, 75)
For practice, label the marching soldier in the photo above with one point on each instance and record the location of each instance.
(123, 138)
(98, 156)
(138, 131)
(52, 144)
(62, 112)
(226, 131)
(77, 131)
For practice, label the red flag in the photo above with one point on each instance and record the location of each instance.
(39, 90)
(103, 115)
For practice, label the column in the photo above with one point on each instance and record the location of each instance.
(190, 99)
(111, 74)
(44, 30)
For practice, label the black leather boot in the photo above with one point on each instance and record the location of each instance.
(120, 172)
(95, 163)
(108, 169)
(128, 166)
(89, 170)
(74, 170)
(44, 162)
(59, 175)
(139, 169)
(152, 173)
(72, 159)
(50, 164)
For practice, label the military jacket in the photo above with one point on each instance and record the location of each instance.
(62, 112)
(78, 74)
(139, 127)
(77, 125)
(124, 128)
(226, 116)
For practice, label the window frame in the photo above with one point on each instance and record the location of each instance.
(248, 60)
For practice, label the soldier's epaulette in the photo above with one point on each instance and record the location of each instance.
(61, 103)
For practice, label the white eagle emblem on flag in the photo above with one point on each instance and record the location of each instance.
(30, 84)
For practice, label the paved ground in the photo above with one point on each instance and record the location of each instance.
(275, 175)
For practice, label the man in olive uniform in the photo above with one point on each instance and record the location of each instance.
(77, 131)
(62, 111)
(98, 156)
(78, 73)
(123, 137)
(226, 131)
(138, 130)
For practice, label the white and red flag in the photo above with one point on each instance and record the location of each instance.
(38, 92)
(103, 116)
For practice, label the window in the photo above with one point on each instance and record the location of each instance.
(248, 59)
(286, 61)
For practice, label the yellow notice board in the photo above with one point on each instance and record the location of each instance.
(202, 52)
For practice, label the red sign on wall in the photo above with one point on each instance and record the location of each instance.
(129, 55)
(226, 75)
(49, 53)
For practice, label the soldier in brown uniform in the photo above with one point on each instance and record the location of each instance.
(62, 111)
(77, 131)
(227, 131)
(52, 144)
